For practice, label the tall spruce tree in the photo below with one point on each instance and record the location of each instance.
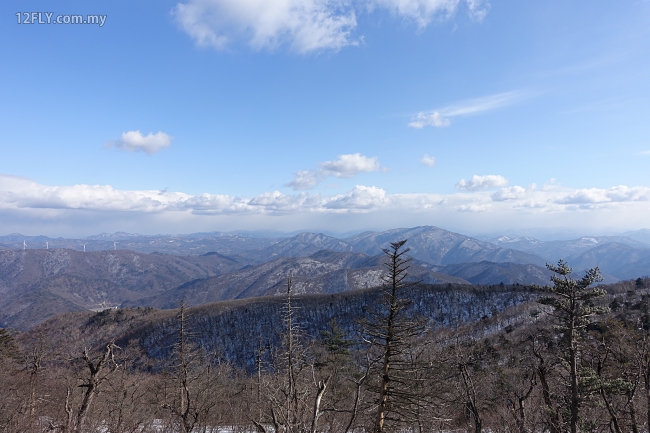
(573, 311)
(392, 332)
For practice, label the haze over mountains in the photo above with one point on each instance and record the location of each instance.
(158, 271)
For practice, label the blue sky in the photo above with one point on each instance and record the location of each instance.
(175, 117)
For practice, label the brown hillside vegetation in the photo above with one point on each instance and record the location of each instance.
(488, 358)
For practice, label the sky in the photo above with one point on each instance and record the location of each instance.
(477, 116)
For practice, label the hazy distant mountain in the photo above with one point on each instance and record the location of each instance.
(429, 244)
(640, 268)
(619, 260)
(323, 272)
(552, 251)
(642, 235)
(181, 245)
(440, 247)
(302, 245)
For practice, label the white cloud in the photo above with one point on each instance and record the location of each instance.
(510, 193)
(420, 11)
(618, 194)
(478, 9)
(429, 119)
(350, 165)
(304, 25)
(360, 198)
(441, 118)
(345, 166)
(26, 205)
(304, 179)
(474, 207)
(134, 141)
(477, 183)
(645, 152)
(429, 161)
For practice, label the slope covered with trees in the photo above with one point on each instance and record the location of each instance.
(478, 358)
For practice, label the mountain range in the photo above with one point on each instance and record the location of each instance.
(158, 271)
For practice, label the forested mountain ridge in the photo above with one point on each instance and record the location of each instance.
(35, 284)
(235, 328)
(325, 272)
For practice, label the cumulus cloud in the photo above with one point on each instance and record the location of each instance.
(477, 183)
(304, 25)
(350, 165)
(441, 117)
(510, 193)
(345, 166)
(134, 141)
(429, 161)
(360, 198)
(304, 179)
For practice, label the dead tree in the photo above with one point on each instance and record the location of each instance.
(297, 395)
(190, 399)
(99, 370)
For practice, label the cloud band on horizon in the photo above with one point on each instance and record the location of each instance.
(25, 194)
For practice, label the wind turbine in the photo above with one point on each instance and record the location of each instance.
(24, 245)
(115, 245)
(47, 245)
(85, 247)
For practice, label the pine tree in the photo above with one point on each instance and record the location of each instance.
(572, 310)
(393, 332)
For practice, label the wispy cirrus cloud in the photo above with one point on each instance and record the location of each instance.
(303, 25)
(345, 166)
(424, 12)
(478, 9)
(135, 141)
(442, 117)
